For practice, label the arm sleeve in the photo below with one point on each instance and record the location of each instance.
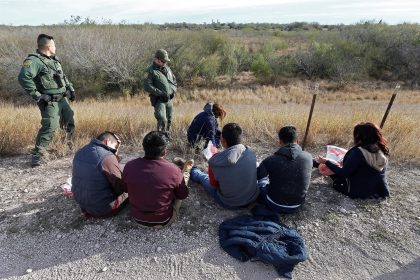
(112, 171)
(175, 81)
(351, 164)
(150, 88)
(69, 85)
(262, 171)
(212, 179)
(26, 78)
(181, 191)
(211, 134)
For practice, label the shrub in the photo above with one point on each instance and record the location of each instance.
(261, 68)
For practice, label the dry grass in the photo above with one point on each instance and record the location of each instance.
(260, 112)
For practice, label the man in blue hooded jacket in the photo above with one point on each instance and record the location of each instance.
(204, 126)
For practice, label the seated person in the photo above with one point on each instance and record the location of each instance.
(363, 173)
(96, 177)
(289, 174)
(155, 185)
(232, 173)
(204, 127)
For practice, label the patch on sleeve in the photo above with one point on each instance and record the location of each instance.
(27, 63)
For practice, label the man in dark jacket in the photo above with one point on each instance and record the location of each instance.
(96, 181)
(161, 86)
(289, 174)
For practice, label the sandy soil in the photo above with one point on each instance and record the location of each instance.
(42, 230)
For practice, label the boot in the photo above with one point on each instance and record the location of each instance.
(69, 141)
(36, 161)
(186, 170)
(180, 162)
(167, 135)
(188, 165)
(70, 144)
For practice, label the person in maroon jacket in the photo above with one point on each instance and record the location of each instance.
(155, 186)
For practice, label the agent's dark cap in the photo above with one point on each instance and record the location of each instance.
(162, 55)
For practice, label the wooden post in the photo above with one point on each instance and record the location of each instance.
(308, 124)
(397, 87)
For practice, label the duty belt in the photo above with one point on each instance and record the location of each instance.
(57, 97)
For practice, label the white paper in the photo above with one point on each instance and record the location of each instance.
(335, 153)
(209, 151)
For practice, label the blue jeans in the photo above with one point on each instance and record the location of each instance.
(202, 178)
(263, 198)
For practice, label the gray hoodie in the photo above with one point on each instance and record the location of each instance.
(236, 171)
(377, 161)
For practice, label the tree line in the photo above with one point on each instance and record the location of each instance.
(104, 58)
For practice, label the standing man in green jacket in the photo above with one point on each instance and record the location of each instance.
(161, 85)
(42, 77)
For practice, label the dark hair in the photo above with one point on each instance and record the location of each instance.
(369, 136)
(232, 133)
(107, 135)
(218, 111)
(154, 143)
(288, 134)
(43, 40)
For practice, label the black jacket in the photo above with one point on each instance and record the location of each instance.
(289, 171)
(365, 171)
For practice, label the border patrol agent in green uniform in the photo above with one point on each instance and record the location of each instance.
(161, 85)
(42, 78)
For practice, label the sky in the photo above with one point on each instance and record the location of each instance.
(36, 12)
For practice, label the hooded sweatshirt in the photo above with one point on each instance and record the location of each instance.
(289, 171)
(203, 126)
(235, 170)
(365, 171)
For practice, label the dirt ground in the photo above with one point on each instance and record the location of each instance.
(42, 230)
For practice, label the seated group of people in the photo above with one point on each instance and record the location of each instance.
(154, 187)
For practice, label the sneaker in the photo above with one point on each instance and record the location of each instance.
(180, 162)
(188, 165)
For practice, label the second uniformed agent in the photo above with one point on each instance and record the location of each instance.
(161, 85)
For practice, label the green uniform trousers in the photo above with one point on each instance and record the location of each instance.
(53, 114)
(163, 115)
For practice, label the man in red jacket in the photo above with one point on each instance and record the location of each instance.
(155, 186)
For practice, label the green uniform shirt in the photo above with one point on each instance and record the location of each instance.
(160, 81)
(41, 74)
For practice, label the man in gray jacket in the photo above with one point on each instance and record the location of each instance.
(286, 175)
(232, 174)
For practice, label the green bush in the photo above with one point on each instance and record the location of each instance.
(261, 68)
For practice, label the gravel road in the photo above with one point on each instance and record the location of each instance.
(44, 236)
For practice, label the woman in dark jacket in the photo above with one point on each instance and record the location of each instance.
(204, 126)
(363, 174)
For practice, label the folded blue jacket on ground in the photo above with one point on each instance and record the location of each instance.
(261, 237)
